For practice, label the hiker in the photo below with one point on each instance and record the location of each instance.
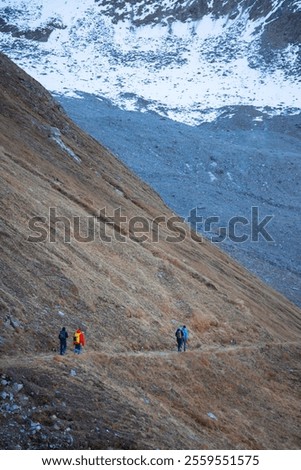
(185, 336)
(78, 341)
(179, 336)
(63, 335)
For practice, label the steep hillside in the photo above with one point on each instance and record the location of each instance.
(85, 243)
(153, 78)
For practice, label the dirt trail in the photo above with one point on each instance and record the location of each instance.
(205, 349)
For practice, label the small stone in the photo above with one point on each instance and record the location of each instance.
(34, 427)
(14, 408)
(17, 387)
(14, 323)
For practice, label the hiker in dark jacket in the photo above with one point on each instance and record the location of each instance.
(179, 336)
(63, 335)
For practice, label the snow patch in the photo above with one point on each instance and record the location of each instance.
(56, 136)
(212, 176)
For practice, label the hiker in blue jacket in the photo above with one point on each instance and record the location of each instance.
(185, 336)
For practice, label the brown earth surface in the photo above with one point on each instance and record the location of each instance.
(238, 385)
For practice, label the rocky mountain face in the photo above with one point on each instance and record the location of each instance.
(182, 59)
(277, 21)
(85, 243)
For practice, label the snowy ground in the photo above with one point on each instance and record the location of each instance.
(186, 71)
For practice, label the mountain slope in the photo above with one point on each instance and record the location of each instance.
(129, 388)
(230, 70)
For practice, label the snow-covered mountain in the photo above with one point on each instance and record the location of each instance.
(185, 59)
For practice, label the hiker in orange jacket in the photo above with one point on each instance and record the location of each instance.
(78, 341)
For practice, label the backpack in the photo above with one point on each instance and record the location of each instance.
(185, 334)
(76, 338)
(179, 333)
(62, 335)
